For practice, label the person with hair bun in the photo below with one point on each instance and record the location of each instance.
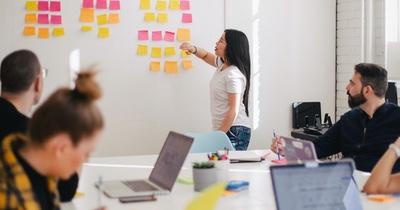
(62, 133)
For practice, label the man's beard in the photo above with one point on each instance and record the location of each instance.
(357, 100)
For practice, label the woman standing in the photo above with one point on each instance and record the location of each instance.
(229, 87)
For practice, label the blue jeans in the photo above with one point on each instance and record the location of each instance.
(239, 136)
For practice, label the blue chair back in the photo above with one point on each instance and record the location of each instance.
(210, 142)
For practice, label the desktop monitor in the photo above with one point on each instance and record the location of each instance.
(391, 93)
(305, 114)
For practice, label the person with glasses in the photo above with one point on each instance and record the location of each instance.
(21, 78)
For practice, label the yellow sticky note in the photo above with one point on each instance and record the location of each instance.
(141, 50)
(149, 16)
(174, 4)
(30, 18)
(187, 64)
(57, 32)
(171, 67)
(44, 33)
(87, 15)
(155, 66)
(185, 54)
(156, 52)
(208, 198)
(103, 33)
(144, 4)
(102, 19)
(86, 28)
(161, 5)
(113, 18)
(162, 17)
(29, 31)
(31, 5)
(183, 34)
(169, 51)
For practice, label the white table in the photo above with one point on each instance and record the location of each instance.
(258, 196)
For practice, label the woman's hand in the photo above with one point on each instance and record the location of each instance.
(186, 46)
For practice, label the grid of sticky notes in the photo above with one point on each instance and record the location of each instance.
(43, 19)
(100, 15)
(162, 46)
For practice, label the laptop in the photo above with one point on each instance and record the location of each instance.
(297, 150)
(245, 156)
(163, 175)
(315, 186)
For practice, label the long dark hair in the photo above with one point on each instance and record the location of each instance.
(237, 53)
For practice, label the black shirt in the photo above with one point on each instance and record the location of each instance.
(365, 140)
(12, 121)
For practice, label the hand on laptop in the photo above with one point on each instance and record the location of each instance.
(277, 145)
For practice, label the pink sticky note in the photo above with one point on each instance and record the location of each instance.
(43, 18)
(101, 4)
(156, 36)
(43, 6)
(114, 5)
(282, 161)
(185, 5)
(55, 19)
(143, 35)
(87, 4)
(55, 6)
(169, 36)
(186, 18)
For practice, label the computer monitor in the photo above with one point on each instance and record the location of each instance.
(305, 114)
(391, 93)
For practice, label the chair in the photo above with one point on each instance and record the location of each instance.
(210, 142)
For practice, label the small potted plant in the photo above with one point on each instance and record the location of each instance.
(204, 175)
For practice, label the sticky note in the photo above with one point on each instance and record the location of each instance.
(43, 6)
(155, 66)
(57, 32)
(141, 50)
(87, 4)
(169, 36)
(169, 51)
(185, 5)
(55, 19)
(149, 16)
(156, 52)
(31, 6)
(115, 5)
(143, 35)
(29, 31)
(185, 54)
(30, 18)
(183, 34)
(208, 199)
(174, 5)
(113, 18)
(281, 161)
(102, 19)
(162, 17)
(86, 28)
(87, 15)
(43, 33)
(186, 18)
(161, 5)
(381, 198)
(101, 4)
(144, 4)
(156, 36)
(43, 18)
(103, 33)
(171, 67)
(187, 64)
(55, 6)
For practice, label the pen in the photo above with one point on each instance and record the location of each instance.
(273, 133)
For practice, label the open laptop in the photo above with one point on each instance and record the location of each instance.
(297, 150)
(315, 186)
(163, 175)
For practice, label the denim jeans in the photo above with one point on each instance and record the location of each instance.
(239, 136)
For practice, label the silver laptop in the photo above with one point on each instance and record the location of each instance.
(163, 175)
(315, 186)
(297, 150)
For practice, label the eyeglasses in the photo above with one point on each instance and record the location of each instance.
(45, 72)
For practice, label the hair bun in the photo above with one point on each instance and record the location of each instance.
(86, 86)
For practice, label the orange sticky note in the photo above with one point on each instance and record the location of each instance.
(141, 50)
(169, 51)
(31, 5)
(156, 52)
(187, 64)
(103, 33)
(113, 18)
(87, 15)
(86, 28)
(144, 4)
(161, 5)
(174, 4)
(183, 34)
(44, 33)
(29, 31)
(30, 18)
(102, 19)
(171, 67)
(381, 198)
(162, 17)
(149, 16)
(155, 66)
(58, 32)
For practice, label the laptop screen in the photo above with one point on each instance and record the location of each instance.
(297, 150)
(170, 160)
(325, 186)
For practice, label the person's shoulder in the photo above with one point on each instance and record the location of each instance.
(234, 72)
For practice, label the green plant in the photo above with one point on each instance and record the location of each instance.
(201, 165)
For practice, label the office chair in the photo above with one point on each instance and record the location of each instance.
(210, 142)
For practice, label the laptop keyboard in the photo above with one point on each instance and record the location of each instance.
(140, 186)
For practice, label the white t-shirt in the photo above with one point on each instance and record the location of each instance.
(230, 80)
